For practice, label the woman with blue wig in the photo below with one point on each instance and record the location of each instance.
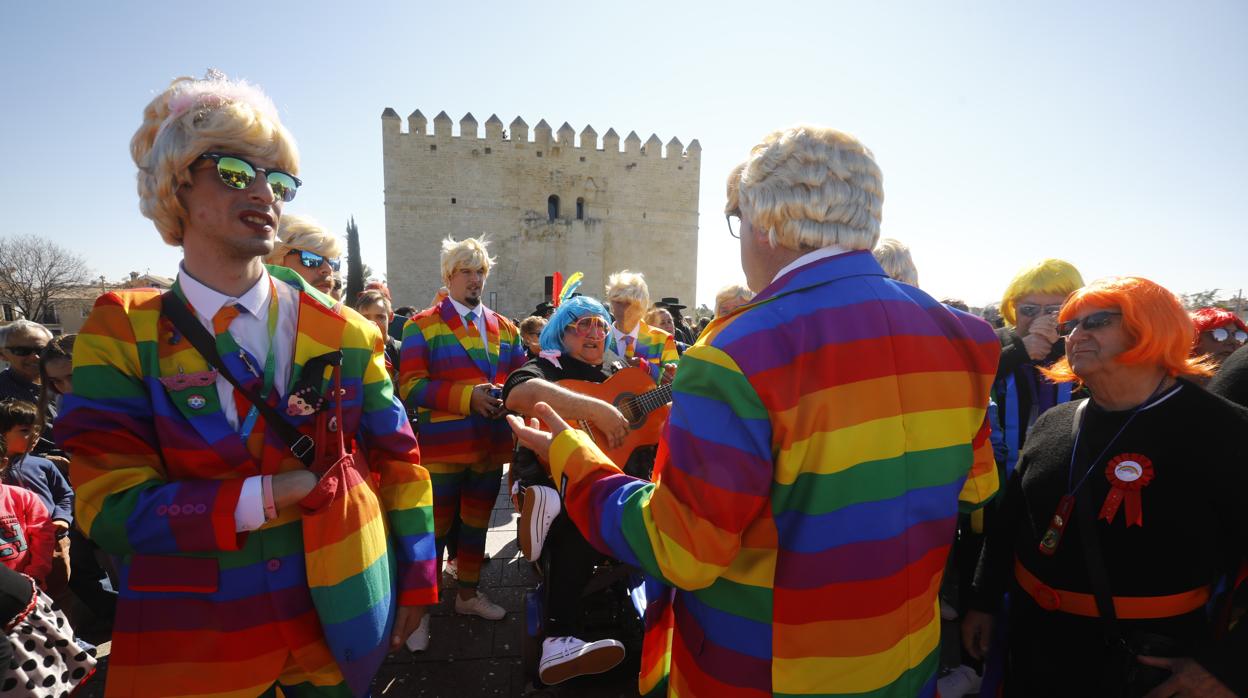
(573, 347)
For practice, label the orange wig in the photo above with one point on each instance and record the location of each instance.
(1154, 319)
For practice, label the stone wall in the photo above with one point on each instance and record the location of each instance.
(638, 207)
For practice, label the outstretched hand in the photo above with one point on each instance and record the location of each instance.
(531, 435)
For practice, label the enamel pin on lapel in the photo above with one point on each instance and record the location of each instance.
(196, 402)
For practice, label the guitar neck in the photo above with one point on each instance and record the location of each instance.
(652, 400)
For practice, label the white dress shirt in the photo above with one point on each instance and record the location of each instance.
(621, 347)
(479, 313)
(251, 330)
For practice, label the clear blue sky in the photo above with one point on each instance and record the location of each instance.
(1109, 134)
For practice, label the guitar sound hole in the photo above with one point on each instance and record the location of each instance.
(623, 404)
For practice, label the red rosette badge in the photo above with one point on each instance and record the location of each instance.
(1127, 473)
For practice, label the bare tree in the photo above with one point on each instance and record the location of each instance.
(35, 271)
(1203, 299)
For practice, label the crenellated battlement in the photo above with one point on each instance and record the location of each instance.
(545, 142)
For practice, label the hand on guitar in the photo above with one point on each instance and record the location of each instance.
(609, 421)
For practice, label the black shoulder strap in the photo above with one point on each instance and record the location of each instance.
(301, 445)
(1092, 557)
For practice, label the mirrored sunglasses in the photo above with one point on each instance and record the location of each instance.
(590, 325)
(1219, 334)
(1032, 310)
(312, 260)
(237, 173)
(1094, 321)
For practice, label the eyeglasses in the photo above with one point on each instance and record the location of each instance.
(237, 173)
(27, 351)
(1095, 321)
(1220, 334)
(1032, 310)
(734, 229)
(589, 326)
(312, 260)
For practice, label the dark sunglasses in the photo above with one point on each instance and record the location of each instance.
(1095, 321)
(27, 351)
(312, 260)
(237, 173)
(1032, 310)
(1221, 334)
(589, 325)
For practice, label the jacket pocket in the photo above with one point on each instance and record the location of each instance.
(174, 573)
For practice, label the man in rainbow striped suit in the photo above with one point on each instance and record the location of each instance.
(820, 441)
(631, 338)
(177, 474)
(455, 358)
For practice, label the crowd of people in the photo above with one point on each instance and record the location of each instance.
(260, 486)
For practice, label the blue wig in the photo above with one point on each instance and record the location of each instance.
(568, 313)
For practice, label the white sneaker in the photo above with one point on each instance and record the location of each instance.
(479, 605)
(418, 641)
(567, 657)
(540, 507)
(958, 683)
(451, 568)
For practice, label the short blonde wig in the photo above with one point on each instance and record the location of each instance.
(810, 187)
(303, 233)
(469, 253)
(895, 258)
(730, 293)
(1049, 276)
(628, 285)
(190, 118)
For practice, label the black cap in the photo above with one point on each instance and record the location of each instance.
(671, 303)
(544, 309)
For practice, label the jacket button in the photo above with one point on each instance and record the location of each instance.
(274, 565)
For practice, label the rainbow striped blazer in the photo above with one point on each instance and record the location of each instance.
(437, 371)
(807, 486)
(203, 609)
(654, 345)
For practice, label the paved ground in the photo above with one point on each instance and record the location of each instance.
(469, 656)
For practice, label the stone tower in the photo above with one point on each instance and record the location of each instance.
(548, 204)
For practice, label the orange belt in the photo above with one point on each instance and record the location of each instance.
(1127, 607)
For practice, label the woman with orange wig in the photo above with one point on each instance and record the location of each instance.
(1123, 515)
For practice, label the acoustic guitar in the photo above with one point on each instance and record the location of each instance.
(633, 393)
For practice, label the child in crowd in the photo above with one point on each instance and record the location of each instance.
(42, 478)
(27, 535)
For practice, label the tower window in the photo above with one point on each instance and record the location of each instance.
(580, 208)
(552, 208)
(452, 199)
